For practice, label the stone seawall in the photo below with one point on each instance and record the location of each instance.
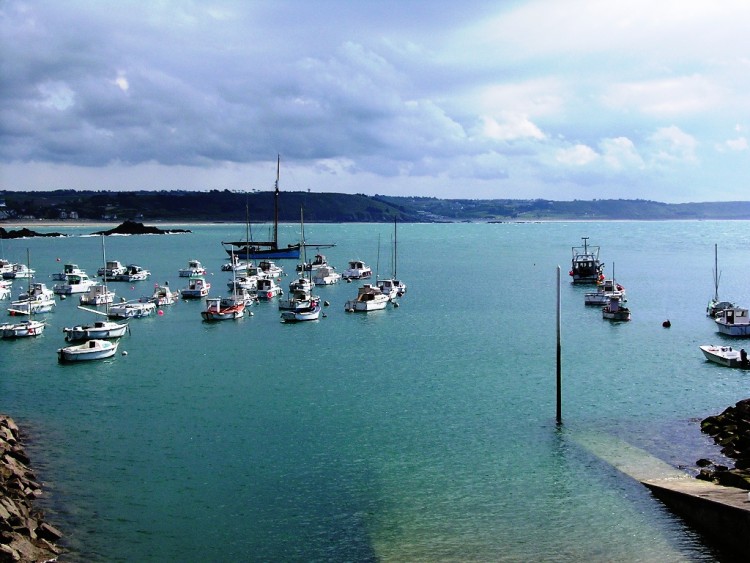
(24, 535)
(731, 431)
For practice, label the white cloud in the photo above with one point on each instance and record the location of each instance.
(671, 144)
(510, 126)
(578, 155)
(738, 144)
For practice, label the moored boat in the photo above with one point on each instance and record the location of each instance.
(130, 310)
(197, 288)
(733, 321)
(111, 269)
(326, 275)
(604, 290)
(194, 268)
(726, 356)
(74, 283)
(267, 289)
(715, 305)
(162, 295)
(318, 262)
(223, 308)
(369, 298)
(19, 271)
(5, 289)
(97, 295)
(357, 270)
(22, 329)
(309, 313)
(132, 273)
(90, 350)
(37, 299)
(68, 269)
(585, 266)
(615, 310)
(96, 330)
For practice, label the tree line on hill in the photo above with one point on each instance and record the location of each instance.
(232, 206)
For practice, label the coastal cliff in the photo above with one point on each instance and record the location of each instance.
(24, 535)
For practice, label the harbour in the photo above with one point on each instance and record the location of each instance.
(424, 432)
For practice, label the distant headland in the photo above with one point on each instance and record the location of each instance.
(225, 206)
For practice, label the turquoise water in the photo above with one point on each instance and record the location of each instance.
(419, 433)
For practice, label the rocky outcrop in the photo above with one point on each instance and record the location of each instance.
(731, 431)
(134, 228)
(26, 233)
(24, 535)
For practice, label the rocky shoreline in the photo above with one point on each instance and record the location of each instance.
(24, 534)
(731, 431)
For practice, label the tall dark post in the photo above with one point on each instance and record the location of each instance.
(559, 355)
(276, 206)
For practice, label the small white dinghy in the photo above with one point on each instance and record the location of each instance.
(89, 350)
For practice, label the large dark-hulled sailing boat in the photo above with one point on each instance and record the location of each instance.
(251, 250)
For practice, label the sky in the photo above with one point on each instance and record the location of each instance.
(519, 99)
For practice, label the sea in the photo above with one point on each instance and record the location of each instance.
(423, 432)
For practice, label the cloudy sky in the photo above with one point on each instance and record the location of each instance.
(554, 99)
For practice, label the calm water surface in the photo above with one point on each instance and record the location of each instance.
(419, 433)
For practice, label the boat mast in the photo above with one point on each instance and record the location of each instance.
(276, 206)
(395, 258)
(716, 273)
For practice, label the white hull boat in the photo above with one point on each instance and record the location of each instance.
(197, 288)
(162, 295)
(98, 330)
(223, 309)
(75, 283)
(68, 269)
(615, 310)
(194, 268)
(311, 313)
(326, 275)
(733, 322)
(267, 289)
(369, 298)
(726, 356)
(357, 270)
(21, 330)
(98, 295)
(89, 350)
(131, 310)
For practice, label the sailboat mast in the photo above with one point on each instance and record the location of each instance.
(276, 206)
(395, 249)
(716, 272)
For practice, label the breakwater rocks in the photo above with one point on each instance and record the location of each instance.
(731, 431)
(24, 535)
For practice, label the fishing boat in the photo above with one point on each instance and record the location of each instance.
(197, 288)
(733, 321)
(162, 295)
(615, 310)
(326, 275)
(90, 350)
(357, 270)
(22, 329)
(267, 289)
(586, 267)
(254, 250)
(97, 295)
(74, 283)
(726, 356)
(715, 305)
(369, 298)
(194, 268)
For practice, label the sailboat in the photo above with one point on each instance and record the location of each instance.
(393, 287)
(302, 305)
(715, 306)
(100, 330)
(37, 299)
(251, 250)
